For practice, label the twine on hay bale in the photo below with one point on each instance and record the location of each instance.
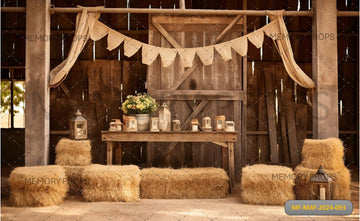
(328, 153)
(38, 186)
(187, 183)
(73, 152)
(74, 178)
(111, 183)
(340, 188)
(267, 185)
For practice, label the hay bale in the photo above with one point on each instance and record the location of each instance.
(328, 153)
(111, 183)
(267, 185)
(73, 152)
(340, 188)
(192, 183)
(38, 186)
(74, 178)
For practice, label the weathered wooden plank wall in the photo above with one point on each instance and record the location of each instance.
(221, 75)
(95, 89)
(13, 54)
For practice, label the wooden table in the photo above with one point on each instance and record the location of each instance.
(224, 139)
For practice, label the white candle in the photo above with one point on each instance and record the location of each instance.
(322, 193)
(195, 127)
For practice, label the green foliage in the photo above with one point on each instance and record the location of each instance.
(19, 96)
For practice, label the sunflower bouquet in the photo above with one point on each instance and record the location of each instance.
(139, 104)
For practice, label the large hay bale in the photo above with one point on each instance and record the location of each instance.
(340, 188)
(111, 183)
(74, 178)
(73, 152)
(165, 183)
(38, 186)
(267, 185)
(328, 153)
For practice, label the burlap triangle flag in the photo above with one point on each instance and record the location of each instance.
(131, 46)
(240, 45)
(98, 30)
(272, 30)
(206, 54)
(168, 56)
(187, 56)
(114, 39)
(149, 53)
(224, 50)
(256, 38)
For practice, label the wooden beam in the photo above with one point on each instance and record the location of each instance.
(190, 20)
(325, 70)
(228, 27)
(177, 11)
(168, 37)
(37, 96)
(223, 144)
(65, 89)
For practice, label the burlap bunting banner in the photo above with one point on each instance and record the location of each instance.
(168, 56)
(187, 56)
(114, 39)
(224, 50)
(149, 53)
(206, 54)
(240, 45)
(88, 25)
(131, 46)
(256, 38)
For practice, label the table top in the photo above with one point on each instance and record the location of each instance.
(171, 136)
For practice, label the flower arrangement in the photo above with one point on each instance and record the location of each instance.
(139, 104)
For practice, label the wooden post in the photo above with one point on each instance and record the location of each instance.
(325, 69)
(37, 96)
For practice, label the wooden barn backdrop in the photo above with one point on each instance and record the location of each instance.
(270, 110)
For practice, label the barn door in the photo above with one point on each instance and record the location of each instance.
(198, 91)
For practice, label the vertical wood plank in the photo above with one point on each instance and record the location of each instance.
(270, 107)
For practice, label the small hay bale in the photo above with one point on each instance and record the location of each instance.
(73, 152)
(267, 185)
(187, 183)
(340, 188)
(38, 186)
(111, 183)
(74, 178)
(328, 153)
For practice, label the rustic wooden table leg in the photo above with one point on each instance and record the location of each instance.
(118, 154)
(109, 153)
(224, 156)
(231, 163)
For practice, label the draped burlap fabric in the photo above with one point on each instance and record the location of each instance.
(88, 26)
(83, 20)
